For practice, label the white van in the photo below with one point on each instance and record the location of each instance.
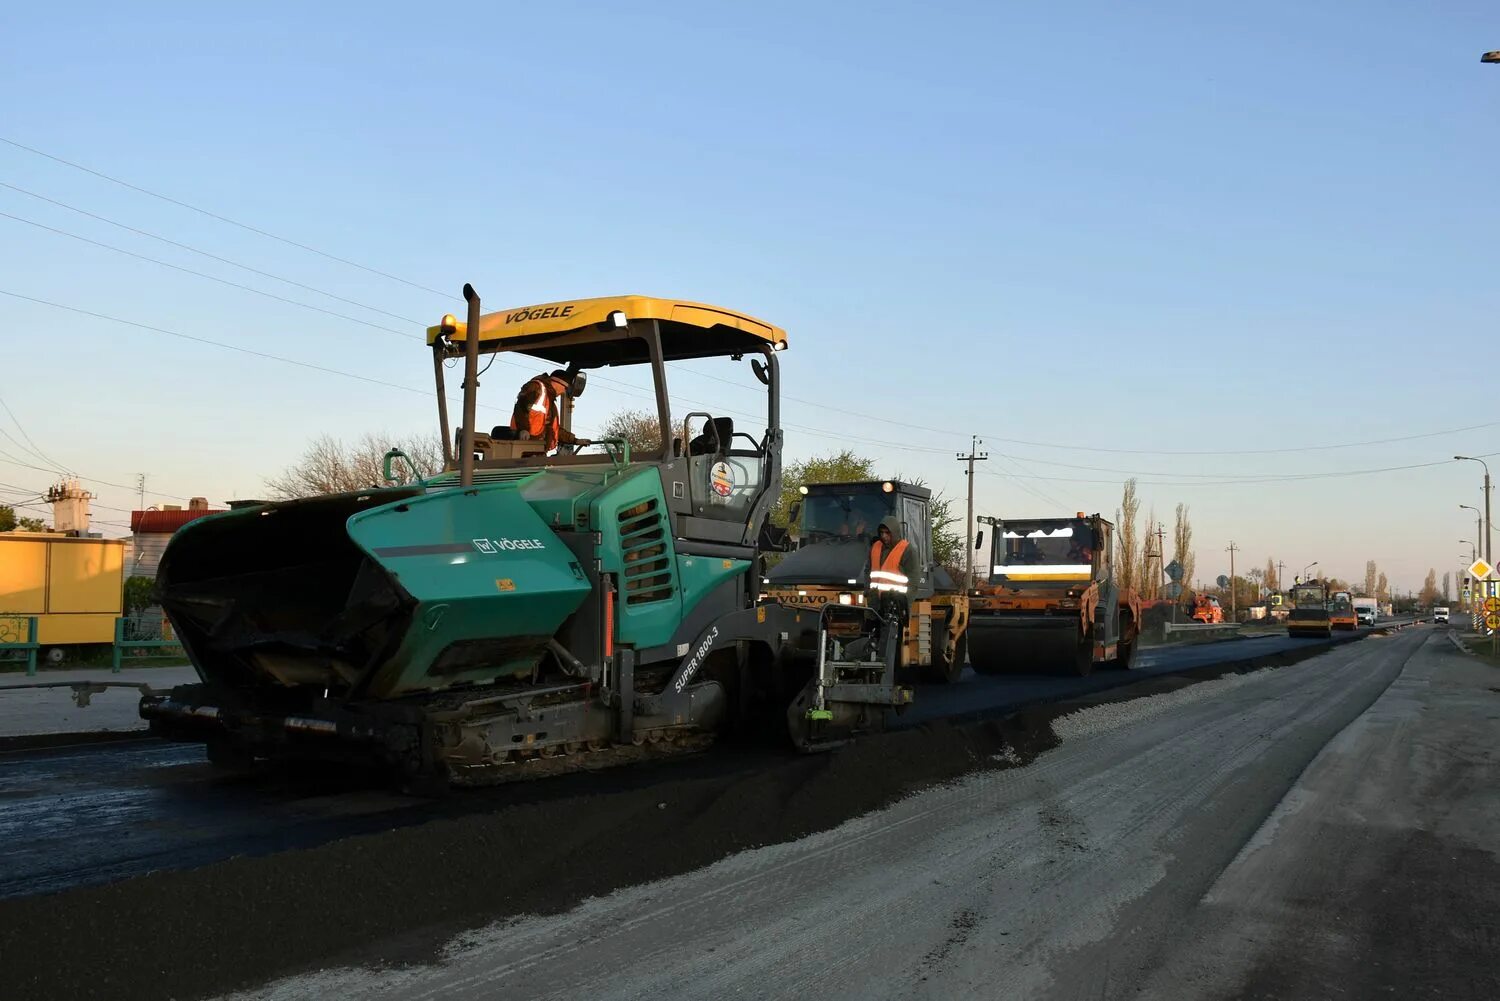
(1366, 610)
(1440, 614)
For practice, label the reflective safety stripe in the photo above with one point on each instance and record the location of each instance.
(885, 568)
(1044, 568)
(541, 421)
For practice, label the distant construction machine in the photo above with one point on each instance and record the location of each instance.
(1309, 615)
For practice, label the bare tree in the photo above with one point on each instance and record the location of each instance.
(331, 466)
(1149, 569)
(641, 428)
(1130, 508)
(1369, 578)
(1182, 543)
(1428, 597)
(1382, 589)
(1272, 579)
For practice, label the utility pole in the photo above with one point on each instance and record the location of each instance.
(140, 484)
(1233, 604)
(1161, 554)
(975, 455)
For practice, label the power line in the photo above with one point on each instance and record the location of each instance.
(205, 253)
(34, 450)
(1288, 478)
(213, 343)
(448, 297)
(224, 219)
(205, 275)
(1247, 451)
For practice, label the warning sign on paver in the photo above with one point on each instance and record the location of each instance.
(1492, 621)
(1492, 604)
(1479, 569)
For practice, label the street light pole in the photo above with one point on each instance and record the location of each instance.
(1488, 553)
(1309, 567)
(1478, 520)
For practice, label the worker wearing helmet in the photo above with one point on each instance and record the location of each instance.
(536, 411)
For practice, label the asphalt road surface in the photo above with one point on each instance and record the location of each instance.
(92, 814)
(1325, 829)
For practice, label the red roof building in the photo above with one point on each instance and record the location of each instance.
(152, 529)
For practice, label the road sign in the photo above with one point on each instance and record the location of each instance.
(1174, 590)
(1492, 621)
(1479, 569)
(1222, 581)
(1492, 604)
(1174, 570)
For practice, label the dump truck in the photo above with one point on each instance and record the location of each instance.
(526, 602)
(830, 564)
(1309, 614)
(1051, 602)
(1341, 611)
(1206, 610)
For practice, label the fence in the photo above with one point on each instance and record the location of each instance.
(146, 631)
(12, 628)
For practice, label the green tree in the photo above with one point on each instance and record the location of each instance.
(948, 540)
(1382, 589)
(1272, 580)
(12, 522)
(140, 594)
(948, 543)
(1447, 587)
(838, 467)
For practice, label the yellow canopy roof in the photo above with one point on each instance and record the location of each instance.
(586, 330)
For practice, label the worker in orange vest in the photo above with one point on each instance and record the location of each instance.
(536, 411)
(892, 563)
(893, 566)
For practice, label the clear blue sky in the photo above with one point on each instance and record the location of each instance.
(1150, 227)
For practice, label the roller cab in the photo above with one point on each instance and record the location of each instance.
(1050, 603)
(829, 565)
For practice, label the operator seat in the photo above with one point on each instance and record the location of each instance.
(705, 444)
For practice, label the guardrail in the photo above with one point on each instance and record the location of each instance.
(122, 625)
(10, 633)
(1200, 627)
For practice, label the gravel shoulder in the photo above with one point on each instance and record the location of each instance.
(1378, 874)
